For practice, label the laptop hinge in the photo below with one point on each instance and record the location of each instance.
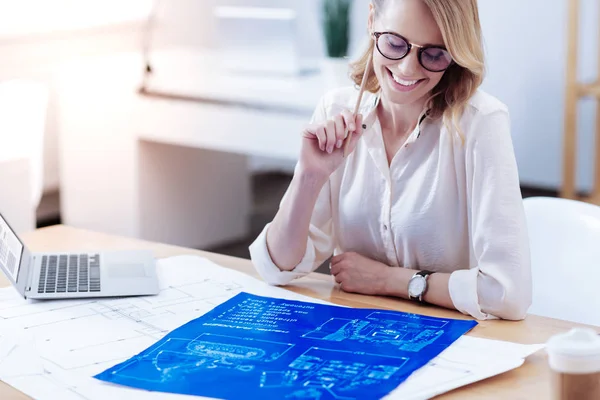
(30, 268)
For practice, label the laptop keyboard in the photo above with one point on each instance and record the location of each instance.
(70, 273)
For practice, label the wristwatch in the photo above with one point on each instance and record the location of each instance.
(417, 286)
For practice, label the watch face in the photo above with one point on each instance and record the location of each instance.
(416, 286)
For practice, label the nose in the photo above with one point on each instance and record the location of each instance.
(409, 65)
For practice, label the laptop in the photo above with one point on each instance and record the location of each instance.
(75, 275)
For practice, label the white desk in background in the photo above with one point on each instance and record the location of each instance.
(171, 170)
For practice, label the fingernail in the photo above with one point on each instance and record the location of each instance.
(338, 144)
(353, 127)
(364, 126)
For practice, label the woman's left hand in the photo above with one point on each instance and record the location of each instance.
(358, 274)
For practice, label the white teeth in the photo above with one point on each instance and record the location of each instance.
(403, 82)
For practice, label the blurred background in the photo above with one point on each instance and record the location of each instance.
(179, 120)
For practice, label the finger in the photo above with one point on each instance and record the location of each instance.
(338, 278)
(321, 137)
(358, 122)
(343, 283)
(349, 120)
(341, 278)
(309, 131)
(330, 131)
(356, 136)
(347, 287)
(340, 130)
(359, 125)
(337, 258)
(335, 269)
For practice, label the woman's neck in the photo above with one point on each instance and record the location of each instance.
(398, 120)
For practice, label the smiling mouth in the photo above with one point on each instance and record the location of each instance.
(405, 84)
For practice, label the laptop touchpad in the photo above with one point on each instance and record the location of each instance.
(126, 271)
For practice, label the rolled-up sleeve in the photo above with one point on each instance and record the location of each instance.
(498, 284)
(319, 244)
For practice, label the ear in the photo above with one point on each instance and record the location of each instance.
(371, 19)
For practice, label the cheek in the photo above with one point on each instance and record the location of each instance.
(380, 64)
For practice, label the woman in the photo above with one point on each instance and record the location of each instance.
(427, 205)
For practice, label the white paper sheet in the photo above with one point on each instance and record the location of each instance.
(50, 349)
(468, 360)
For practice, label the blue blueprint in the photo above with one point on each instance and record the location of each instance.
(253, 347)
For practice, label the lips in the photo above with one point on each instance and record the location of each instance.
(404, 82)
(404, 85)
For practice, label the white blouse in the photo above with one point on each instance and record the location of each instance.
(446, 203)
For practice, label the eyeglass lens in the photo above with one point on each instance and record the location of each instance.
(394, 47)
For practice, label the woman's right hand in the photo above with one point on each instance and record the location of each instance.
(323, 144)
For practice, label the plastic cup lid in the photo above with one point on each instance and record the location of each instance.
(576, 351)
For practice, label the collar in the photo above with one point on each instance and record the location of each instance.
(373, 137)
(369, 111)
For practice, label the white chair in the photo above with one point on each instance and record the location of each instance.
(565, 256)
(23, 106)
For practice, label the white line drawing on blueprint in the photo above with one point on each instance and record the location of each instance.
(177, 358)
(407, 332)
(141, 310)
(338, 372)
(40, 372)
(58, 326)
(16, 308)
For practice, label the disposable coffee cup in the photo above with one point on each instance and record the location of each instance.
(574, 359)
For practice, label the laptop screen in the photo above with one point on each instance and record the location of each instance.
(11, 250)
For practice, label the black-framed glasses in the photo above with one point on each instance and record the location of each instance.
(394, 47)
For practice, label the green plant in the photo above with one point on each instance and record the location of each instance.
(336, 26)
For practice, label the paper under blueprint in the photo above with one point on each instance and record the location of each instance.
(273, 349)
(52, 349)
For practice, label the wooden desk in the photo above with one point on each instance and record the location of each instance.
(529, 381)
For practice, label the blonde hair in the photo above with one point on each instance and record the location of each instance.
(458, 21)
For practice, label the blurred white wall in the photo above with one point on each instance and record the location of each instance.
(34, 45)
(525, 43)
(527, 60)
